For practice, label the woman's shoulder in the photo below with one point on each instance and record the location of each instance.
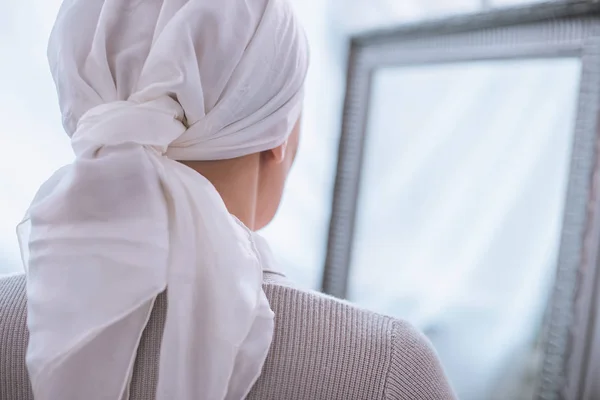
(323, 348)
(326, 348)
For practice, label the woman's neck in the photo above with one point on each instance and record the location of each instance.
(236, 180)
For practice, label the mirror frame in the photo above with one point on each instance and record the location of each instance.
(570, 365)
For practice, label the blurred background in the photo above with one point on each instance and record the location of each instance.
(463, 183)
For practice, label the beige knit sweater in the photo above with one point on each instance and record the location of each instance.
(323, 349)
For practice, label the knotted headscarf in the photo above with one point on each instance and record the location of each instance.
(143, 83)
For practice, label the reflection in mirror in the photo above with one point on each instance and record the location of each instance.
(460, 211)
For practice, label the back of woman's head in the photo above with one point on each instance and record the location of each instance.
(235, 68)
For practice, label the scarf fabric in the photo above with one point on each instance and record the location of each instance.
(142, 83)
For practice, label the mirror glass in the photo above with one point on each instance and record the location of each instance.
(460, 211)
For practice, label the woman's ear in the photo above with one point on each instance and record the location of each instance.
(277, 154)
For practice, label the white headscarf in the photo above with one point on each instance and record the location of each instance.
(142, 83)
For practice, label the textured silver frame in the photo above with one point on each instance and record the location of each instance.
(571, 365)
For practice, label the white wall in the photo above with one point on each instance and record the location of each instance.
(33, 143)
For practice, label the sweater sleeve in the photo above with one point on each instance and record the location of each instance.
(415, 371)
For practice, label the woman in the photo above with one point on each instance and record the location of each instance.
(183, 116)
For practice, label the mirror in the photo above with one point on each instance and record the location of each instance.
(467, 195)
(460, 211)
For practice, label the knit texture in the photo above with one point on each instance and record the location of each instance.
(323, 349)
